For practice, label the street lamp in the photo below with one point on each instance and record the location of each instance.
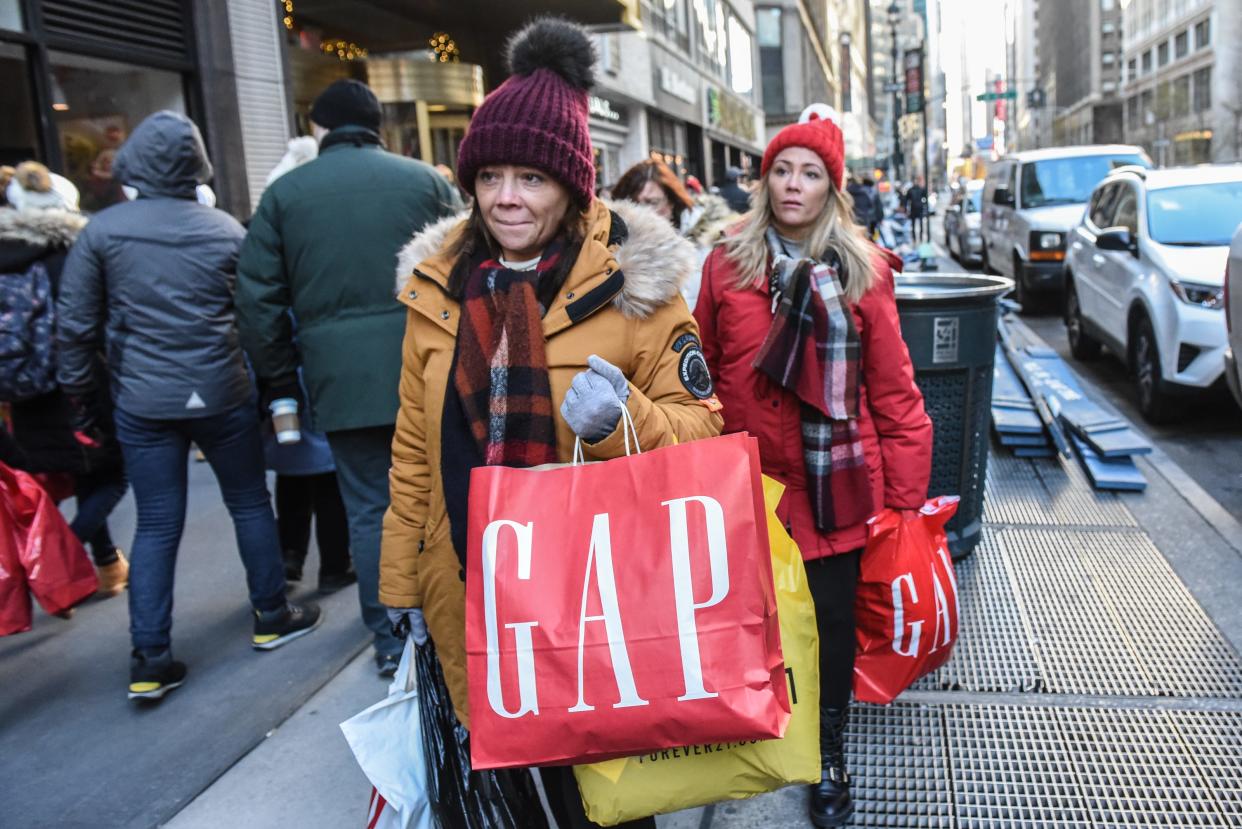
(894, 17)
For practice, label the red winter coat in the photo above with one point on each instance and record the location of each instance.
(896, 432)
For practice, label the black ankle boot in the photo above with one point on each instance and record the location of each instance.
(830, 798)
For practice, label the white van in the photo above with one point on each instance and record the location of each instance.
(1032, 199)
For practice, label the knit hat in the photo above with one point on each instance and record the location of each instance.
(538, 117)
(34, 187)
(817, 131)
(346, 102)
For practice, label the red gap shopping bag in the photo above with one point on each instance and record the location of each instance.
(620, 607)
(906, 604)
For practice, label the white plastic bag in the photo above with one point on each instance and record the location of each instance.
(387, 743)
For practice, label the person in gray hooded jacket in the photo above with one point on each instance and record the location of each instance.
(151, 281)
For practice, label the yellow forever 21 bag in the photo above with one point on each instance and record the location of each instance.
(682, 778)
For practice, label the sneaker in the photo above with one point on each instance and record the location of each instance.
(332, 582)
(273, 628)
(152, 674)
(114, 577)
(387, 664)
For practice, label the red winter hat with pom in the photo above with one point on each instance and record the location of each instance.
(539, 116)
(816, 130)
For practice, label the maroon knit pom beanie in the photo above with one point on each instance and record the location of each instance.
(538, 117)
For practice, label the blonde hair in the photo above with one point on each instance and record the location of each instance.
(834, 230)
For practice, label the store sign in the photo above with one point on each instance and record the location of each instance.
(914, 80)
(677, 86)
(726, 113)
(602, 108)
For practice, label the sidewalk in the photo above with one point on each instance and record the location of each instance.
(1097, 682)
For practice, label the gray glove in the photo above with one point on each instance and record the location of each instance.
(408, 621)
(593, 404)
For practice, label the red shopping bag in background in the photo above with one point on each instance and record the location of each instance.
(620, 607)
(55, 566)
(906, 604)
(14, 595)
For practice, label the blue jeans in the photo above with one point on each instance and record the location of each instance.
(97, 494)
(363, 458)
(156, 456)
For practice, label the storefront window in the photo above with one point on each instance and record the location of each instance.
(97, 104)
(18, 140)
(11, 14)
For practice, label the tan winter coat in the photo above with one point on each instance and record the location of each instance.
(620, 302)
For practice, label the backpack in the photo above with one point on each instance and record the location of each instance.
(27, 334)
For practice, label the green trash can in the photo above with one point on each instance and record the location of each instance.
(949, 324)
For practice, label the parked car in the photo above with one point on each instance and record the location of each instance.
(1233, 316)
(962, 219)
(1145, 277)
(1031, 200)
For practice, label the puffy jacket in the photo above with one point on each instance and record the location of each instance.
(323, 244)
(896, 432)
(620, 301)
(43, 426)
(151, 282)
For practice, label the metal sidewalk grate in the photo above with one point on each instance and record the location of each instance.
(1109, 616)
(1047, 492)
(898, 768)
(1215, 741)
(1010, 768)
(993, 652)
(1136, 770)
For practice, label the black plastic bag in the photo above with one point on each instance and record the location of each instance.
(461, 798)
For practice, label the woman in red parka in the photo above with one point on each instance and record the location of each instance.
(799, 327)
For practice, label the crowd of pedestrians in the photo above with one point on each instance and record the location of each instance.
(763, 309)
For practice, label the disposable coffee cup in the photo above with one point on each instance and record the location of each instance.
(285, 420)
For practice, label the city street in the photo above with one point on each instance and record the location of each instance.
(1206, 442)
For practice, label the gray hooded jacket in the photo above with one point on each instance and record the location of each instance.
(153, 281)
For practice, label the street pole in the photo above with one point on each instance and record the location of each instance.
(895, 157)
(926, 169)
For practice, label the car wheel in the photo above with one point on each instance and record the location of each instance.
(1154, 402)
(1082, 345)
(984, 263)
(1020, 294)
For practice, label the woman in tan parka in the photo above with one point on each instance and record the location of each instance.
(541, 299)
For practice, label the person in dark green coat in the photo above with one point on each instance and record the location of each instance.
(319, 258)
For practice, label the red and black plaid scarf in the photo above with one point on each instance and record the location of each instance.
(813, 350)
(502, 369)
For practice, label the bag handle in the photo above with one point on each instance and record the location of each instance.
(628, 428)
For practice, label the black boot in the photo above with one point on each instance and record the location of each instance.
(830, 798)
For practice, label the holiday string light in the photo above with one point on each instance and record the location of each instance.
(444, 47)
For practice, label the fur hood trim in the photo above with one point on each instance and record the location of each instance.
(44, 228)
(656, 260)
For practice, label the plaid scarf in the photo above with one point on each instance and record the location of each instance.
(813, 351)
(502, 369)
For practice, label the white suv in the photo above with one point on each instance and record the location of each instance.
(1145, 276)
(1233, 316)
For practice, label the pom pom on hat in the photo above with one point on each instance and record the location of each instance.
(539, 116)
(818, 130)
(555, 44)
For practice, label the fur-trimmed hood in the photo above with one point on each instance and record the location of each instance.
(706, 222)
(40, 228)
(653, 257)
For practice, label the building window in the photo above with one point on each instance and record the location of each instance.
(11, 14)
(1132, 69)
(97, 104)
(1181, 44)
(1107, 28)
(1108, 87)
(741, 70)
(1203, 33)
(1107, 5)
(18, 139)
(1108, 58)
(1203, 89)
(771, 59)
(1162, 53)
(1132, 113)
(610, 52)
(670, 20)
(1145, 110)
(1181, 96)
(1146, 61)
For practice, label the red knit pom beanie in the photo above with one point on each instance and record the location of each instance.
(538, 117)
(816, 130)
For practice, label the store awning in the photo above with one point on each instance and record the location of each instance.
(399, 25)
